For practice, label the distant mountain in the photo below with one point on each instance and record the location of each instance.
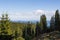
(32, 21)
(20, 21)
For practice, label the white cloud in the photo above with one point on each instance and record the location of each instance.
(47, 13)
(23, 16)
(39, 12)
(34, 15)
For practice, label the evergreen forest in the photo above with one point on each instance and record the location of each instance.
(10, 30)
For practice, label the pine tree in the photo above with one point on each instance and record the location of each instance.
(25, 32)
(38, 29)
(29, 28)
(43, 23)
(28, 32)
(16, 34)
(57, 26)
(5, 25)
(52, 22)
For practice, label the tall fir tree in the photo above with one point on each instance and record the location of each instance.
(38, 29)
(52, 22)
(29, 28)
(27, 31)
(57, 26)
(43, 23)
(5, 25)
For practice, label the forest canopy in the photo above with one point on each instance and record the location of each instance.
(10, 30)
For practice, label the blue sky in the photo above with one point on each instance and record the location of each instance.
(29, 9)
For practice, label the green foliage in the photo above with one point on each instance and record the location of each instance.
(5, 25)
(57, 20)
(43, 23)
(27, 31)
(38, 29)
(52, 22)
(20, 38)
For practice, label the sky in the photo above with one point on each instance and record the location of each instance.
(27, 10)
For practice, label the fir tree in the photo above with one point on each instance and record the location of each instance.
(5, 25)
(38, 29)
(57, 26)
(52, 22)
(43, 23)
